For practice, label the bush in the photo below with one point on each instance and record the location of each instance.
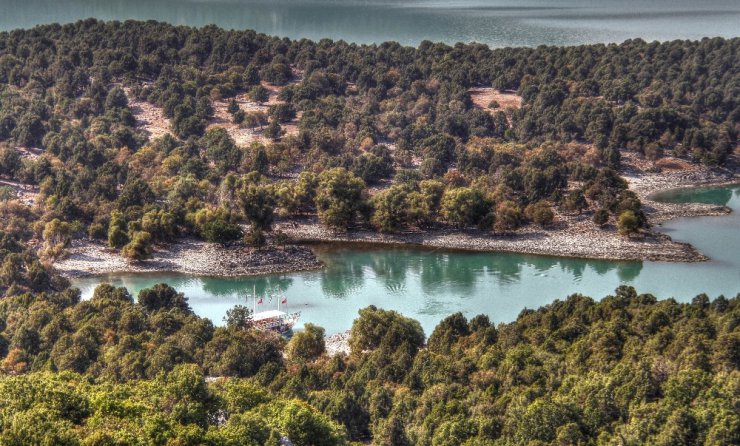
(117, 231)
(628, 223)
(601, 217)
(307, 345)
(220, 231)
(140, 246)
(540, 213)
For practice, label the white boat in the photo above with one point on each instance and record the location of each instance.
(273, 320)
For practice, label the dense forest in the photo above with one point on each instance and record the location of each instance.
(383, 136)
(380, 136)
(629, 369)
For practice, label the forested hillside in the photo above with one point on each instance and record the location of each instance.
(138, 132)
(628, 369)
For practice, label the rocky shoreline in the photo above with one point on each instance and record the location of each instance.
(189, 256)
(337, 343)
(573, 236)
(570, 236)
(649, 186)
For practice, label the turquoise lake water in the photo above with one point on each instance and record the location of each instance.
(429, 285)
(498, 23)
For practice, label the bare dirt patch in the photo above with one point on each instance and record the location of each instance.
(26, 193)
(149, 117)
(635, 162)
(222, 118)
(30, 153)
(482, 97)
(244, 136)
(673, 164)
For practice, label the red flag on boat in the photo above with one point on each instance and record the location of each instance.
(259, 302)
(284, 301)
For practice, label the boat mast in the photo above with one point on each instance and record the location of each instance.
(254, 299)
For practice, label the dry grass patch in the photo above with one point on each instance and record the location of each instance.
(673, 164)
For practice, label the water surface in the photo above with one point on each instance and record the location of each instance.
(498, 23)
(429, 285)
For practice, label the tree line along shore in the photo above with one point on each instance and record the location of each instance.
(577, 236)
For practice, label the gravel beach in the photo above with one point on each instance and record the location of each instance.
(189, 256)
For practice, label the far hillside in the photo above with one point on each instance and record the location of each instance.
(137, 133)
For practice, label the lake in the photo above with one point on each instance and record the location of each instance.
(498, 23)
(429, 285)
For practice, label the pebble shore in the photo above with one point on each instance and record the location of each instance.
(189, 256)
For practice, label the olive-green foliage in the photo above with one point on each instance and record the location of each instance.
(160, 224)
(273, 130)
(391, 211)
(258, 204)
(447, 333)
(627, 368)
(508, 217)
(140, 246)
(238, 352)
(112, 336)
(215, 225)
(464, 206)
(238, 317)
(162, 296)
(387, 330)
(306, 345)
(339, 198)
(540, 213)
(601, 217)
(259, 94)
(117, 235)
(575, 201)
(627, 223)
(174, 408)
(370, 110)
